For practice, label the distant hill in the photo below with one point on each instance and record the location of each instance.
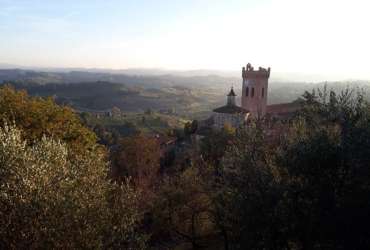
(189, 96)
(276, 75)
(147, 81)
(174, 100)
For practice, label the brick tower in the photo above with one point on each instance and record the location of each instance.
(254, 94)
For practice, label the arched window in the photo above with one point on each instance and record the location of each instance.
(252, 92)
(247, 92)
(263, 92)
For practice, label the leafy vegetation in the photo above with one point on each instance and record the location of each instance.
(126, 124)
(54, 191)
(39, 117)
(49, 200)
(303, 186)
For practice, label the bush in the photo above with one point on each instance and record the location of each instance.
(49, 200)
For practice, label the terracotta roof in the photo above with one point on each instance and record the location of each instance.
(231, 109)
(283, 108)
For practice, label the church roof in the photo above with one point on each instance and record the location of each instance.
(231, 93)
(231, 109)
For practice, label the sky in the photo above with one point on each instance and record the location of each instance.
(324, 37)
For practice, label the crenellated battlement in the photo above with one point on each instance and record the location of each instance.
(249, 72)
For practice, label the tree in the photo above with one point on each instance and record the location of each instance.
(182, 210)
(325, 165)
(213, 146)
(49, 200)
(190, 128)
(38, 117)
(138, 157)
(248, 194)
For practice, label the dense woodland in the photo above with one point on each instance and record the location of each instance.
(306, 185)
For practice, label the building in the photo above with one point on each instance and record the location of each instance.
(254, 90)
(253, 103)
(230, 114)
(255, 96)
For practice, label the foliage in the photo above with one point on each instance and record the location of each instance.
(111, 128)
(182, 209)
(214, 145)
(325, 162)
(249, 182)
(309, 189)
(304, 192)
(39, 117)
(49, 200)
(190, 127)
(138, 157)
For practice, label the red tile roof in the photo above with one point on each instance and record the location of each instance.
(283, 108)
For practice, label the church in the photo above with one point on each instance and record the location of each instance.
(253, 101)
(230, 114)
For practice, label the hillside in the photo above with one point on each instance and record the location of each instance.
(126, 124)
(100, 96)
(192, 97)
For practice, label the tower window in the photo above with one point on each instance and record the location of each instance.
(247, 92)
(252, 92)
(263, 92)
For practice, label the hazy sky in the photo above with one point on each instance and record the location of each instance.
(330, 37)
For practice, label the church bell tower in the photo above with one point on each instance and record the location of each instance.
(254, 92)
